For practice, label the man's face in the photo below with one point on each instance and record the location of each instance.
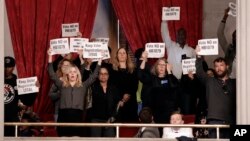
(8, 71)
(221, 69)
(181, 36)
(176, 119)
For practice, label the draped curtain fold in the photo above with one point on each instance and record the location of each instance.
(33, 23)
(141, 20)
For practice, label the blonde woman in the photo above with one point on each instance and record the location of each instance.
(72, 93)
(125, 79)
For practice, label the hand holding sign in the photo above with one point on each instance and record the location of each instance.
(27, 85)
(188, 65)
(208, 47)
(170, 13)
(70, 30)
(155, 50)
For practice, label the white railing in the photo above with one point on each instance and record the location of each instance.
(117, 125)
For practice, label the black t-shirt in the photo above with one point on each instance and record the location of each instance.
(10, 99)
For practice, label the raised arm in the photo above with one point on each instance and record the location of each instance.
(220, 32)
(144, 75)
(51, 71)
(93, 76)
(165, 34)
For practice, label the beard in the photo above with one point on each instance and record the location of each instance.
(221, 75)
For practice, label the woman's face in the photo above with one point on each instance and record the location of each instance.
(161, 67)
(65, 67)
(103, 75)
(122, 55)
(72, 75)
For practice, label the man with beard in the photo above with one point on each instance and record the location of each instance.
(229, 49)
(220, 95)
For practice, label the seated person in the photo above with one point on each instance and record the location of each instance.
(173, 132)
(146, 116)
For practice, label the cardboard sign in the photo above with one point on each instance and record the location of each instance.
(188, 65)
(170, 13)
(70, 30)
(77, 43)
(59, 46)
(208, 47)
(27, 85)
(92, 50)
(155, 50)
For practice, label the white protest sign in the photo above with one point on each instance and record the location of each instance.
(92, 50)
(208, 47)
(77, 43)
(155, 50)
(104, 46)
(233, 9)
(59, 46)
(102, 40)
(70, 30)
(27, 85)
(188, 65)
(170, 13)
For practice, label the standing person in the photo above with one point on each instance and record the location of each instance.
(11, 96)
(124, 78)
(72, 93)
(174, 132)
(62, 69)
(229, 49)
(163, 98)
(220, 94)
(104, 102)
(178, 50)
(146, 116)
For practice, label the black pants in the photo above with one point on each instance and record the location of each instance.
(101, 131)
(224, 132)
(69, 115)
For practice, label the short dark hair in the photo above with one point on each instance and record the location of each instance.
(220, 59)
(9, 62)
(146, 115)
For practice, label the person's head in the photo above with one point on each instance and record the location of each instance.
(176, 118)
(181, 36)
(103, 74)
(146, 115)
(9, 65)
(74, 76)
(160, 67)
(210, 72)
(122, 56)
(63, 67)
(220, 67)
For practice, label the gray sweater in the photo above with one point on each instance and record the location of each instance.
(221, 105)
(71, 97)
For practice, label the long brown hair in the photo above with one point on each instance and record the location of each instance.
(129, 64)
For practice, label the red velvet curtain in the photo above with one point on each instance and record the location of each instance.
(32, 24)
(141, 20)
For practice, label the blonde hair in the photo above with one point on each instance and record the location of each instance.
(59, 72)
(154, 70)
(130, 66)
(78, 83)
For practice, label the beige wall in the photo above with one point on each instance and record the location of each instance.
(213, 11)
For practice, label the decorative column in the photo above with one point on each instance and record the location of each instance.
(1, 66)
(243, 62)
